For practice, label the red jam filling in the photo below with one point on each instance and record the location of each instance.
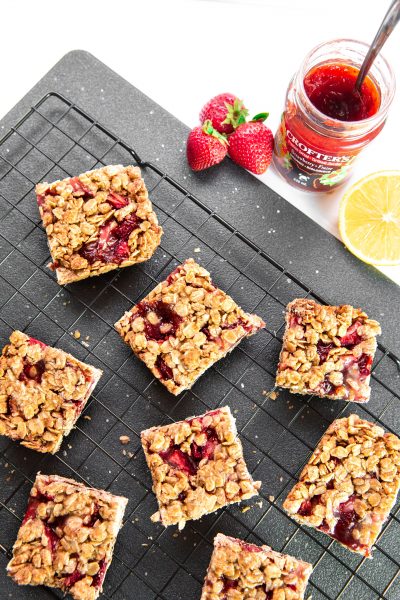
(295, 320)
(179, 460)
(73, 578)
(347, 520)
(237, 323)
(79, 187)
(32, 341)
(77, 575)
(52, 537)
(33, 372)
(40, 197)
(229, 584)
(331, 88)
(327, 387)
(306, 507)
(168, 320)
(95, 516)
(356, 368)
(189, 463)
(365, 364)
(99, 577)
(49, 528)
(165, 371)
(351, 337)
(174, 274)
(117, 200)
(323, 351)
(249, 547)
(112, 244)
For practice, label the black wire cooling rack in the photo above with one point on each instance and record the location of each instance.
(57, 139)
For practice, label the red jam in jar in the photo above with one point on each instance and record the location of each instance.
(326, 121)
(331, 88)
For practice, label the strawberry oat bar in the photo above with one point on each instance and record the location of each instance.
(97, 222)
(327, 351)
(184, 326)
(240, 571)
(67, 537)
(350, 483)
(197, 467)
(43, 391)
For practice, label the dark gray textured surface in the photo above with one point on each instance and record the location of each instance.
(233, 192)
(277, 435)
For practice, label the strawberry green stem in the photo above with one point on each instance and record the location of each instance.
(209, 130)
(236, 113)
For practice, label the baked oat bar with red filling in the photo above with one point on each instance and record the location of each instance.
(98, 221)
(184, 326)
(350, 483)
(240, 571)
(67, 537)
(197, 467)
(43, 391)
(327, 351)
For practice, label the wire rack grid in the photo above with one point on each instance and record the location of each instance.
(57, 139)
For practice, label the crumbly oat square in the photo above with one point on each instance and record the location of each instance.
(184, 326)
(197, 467)
(240, 571)
(43, 391)
(350, 483)
(67, 537)
(97, 222)
(327, 351)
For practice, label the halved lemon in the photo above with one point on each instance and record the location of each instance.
(369, 218)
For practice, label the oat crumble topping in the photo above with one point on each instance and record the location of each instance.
(242, 571)
(197, 466)
(350, 483)
(98, 221)
(184, 326)
(43, 391)
(67, 537)
(327, 351)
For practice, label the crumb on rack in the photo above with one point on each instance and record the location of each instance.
(77, 334)
(124, 439)
(271, 395)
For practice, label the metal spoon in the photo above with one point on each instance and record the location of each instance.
(389, 22)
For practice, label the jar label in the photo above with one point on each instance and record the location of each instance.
(307, 166)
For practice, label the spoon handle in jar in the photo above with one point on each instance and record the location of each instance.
(389, 22)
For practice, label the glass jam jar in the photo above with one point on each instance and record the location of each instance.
(326, 122)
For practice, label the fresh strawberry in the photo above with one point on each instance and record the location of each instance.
(251, 145)
(205, 147)
(225, 112)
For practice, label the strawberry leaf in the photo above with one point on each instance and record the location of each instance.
(236, 113)
(209, 130)
(261, 116)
